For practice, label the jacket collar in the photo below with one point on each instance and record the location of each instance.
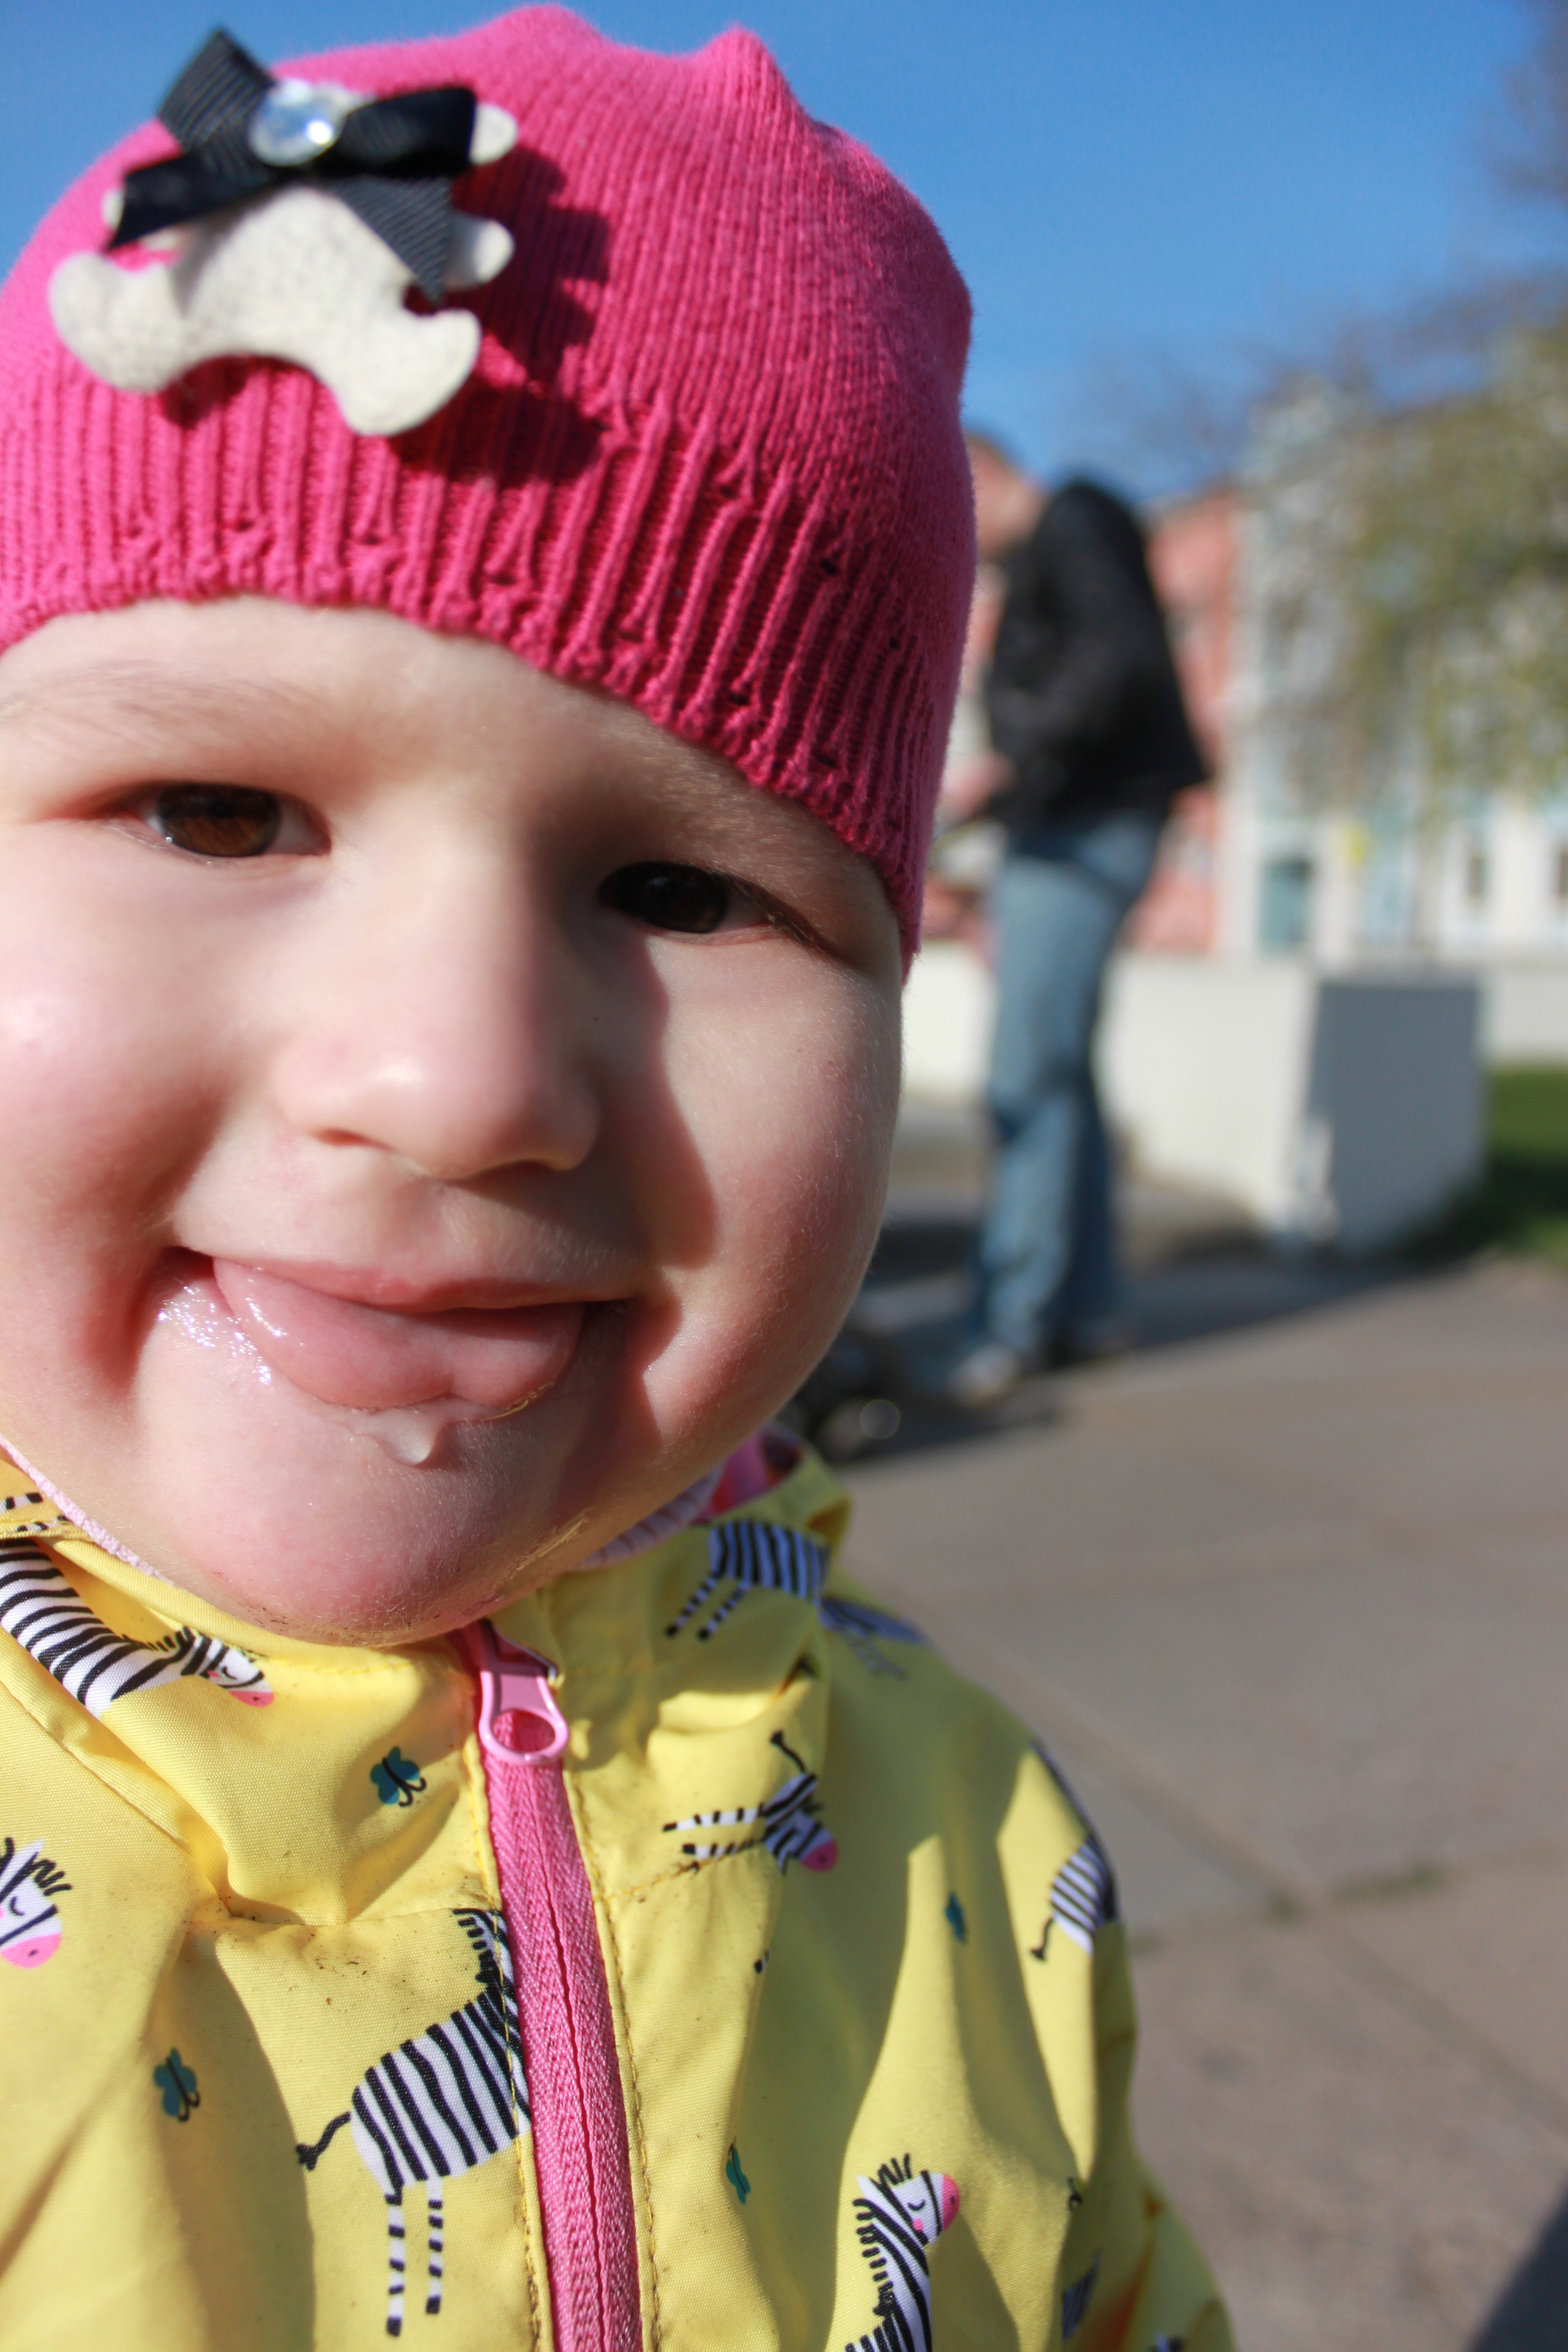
(283, 1766)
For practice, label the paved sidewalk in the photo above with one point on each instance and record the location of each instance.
(1292, 1604)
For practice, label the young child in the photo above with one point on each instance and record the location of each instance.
(473, 686)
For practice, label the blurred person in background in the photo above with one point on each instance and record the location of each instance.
(1089, 743)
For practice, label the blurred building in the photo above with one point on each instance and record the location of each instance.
(1282, 855)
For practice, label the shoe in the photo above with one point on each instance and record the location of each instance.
(1100, 1341)
(987, 1374)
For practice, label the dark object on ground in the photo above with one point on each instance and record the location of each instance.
(1532, 2314)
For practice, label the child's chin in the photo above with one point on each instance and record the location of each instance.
(361, 1560)
(307, 1522)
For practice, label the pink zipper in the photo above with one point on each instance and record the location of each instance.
(580, 2135)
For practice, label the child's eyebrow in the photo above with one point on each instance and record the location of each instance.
(110, 695)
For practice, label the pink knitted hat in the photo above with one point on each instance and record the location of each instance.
(708, 458)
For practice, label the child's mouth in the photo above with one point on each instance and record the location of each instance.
(346, 1352)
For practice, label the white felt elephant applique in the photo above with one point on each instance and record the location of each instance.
(293, 275)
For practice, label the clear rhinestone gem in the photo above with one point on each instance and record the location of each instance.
(295, 122)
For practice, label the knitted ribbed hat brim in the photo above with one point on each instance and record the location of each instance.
(708, 459)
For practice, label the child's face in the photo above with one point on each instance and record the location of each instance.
(524, 1094)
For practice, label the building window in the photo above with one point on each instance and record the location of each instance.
(1477, 874)
(1284, 913)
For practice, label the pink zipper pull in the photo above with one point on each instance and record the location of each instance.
(519, 1722)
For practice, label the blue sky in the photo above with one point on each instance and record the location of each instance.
(1114, 176)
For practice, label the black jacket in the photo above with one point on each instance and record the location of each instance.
(1082, 694)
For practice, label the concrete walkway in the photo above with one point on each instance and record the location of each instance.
(1291, 1603)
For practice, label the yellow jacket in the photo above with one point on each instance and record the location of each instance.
(825, 2023)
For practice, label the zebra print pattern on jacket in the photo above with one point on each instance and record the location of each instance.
(30, 1918)
(1076, 2300)
(789, 1827)
(863, 1627)
(49, 1524)
(437, 2106)
(1083, 1897)
(757, 1556)
(41, 1608)
(901, 2215)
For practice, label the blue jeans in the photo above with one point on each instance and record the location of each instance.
(1047, 1258)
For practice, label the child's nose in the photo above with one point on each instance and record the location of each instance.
(447, 1027)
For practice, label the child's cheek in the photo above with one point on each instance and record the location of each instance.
(92, 1067)
(790, 1103)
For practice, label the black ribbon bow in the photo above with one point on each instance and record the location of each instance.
(393, 161)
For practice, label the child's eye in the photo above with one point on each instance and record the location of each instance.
(672, 898)
(226, 821)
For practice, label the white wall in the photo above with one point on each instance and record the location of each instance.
(949, 1003)
(1344, 1108)
(1202, 1065)
(1525, 1016)
(1333, 1107)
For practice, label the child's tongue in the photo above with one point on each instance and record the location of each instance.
(372, 1358)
